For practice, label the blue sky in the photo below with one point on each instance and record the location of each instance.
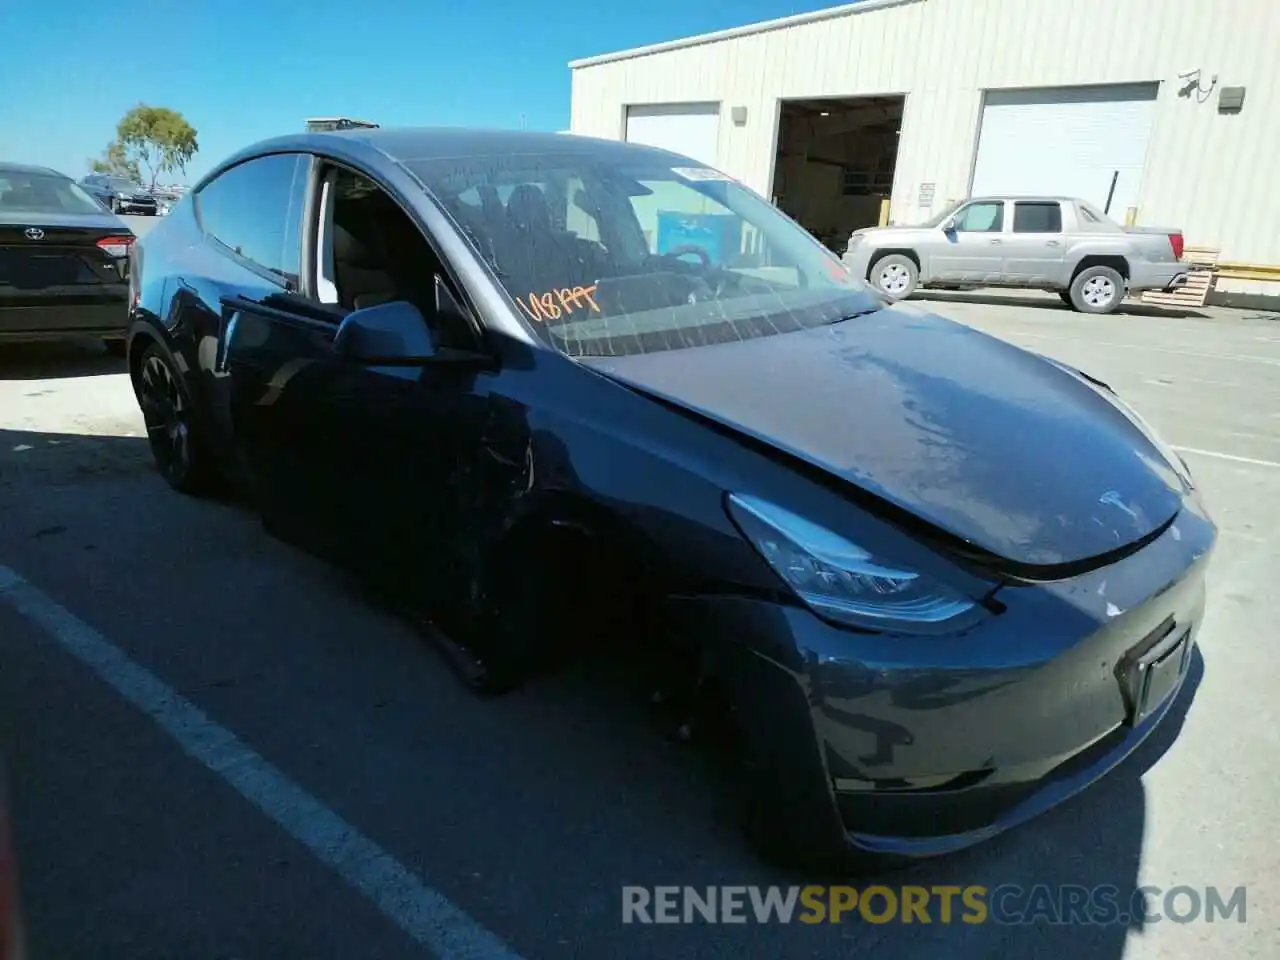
(241, 70)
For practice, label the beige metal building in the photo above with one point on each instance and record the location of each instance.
(1166, 112)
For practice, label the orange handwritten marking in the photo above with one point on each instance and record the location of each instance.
(585, 294)
(533, 315)
(838, 271)
(555, 304)
(567, 300)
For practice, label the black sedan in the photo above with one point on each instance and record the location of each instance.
(63, 260)
(120, 194)
(554, 393)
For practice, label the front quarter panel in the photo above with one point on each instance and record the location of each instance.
(871, 243)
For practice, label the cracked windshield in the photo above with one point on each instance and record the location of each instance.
(608, 258)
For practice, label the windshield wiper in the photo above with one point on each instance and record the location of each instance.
(855, 314)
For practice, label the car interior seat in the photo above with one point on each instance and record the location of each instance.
(360, 269)
(540, 255)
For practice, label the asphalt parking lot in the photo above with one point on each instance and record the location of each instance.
(508, 827)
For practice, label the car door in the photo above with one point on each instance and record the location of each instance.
(267, 331)
(1033, 249)
(971, 251)
(359, 462)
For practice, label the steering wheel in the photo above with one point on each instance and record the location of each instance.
(676, 253)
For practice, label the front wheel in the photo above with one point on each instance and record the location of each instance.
(1097, 289)
(895, 275)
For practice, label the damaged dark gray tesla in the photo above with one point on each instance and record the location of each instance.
(546, 389)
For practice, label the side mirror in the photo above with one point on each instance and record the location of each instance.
(389, 333)
(949, 225)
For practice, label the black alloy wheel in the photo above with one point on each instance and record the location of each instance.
(167, 412)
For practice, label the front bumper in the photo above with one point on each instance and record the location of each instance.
(913, 747)
(858, 259)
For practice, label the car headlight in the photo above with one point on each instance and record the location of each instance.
(840, 580)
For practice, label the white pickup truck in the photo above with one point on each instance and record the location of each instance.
(1062, 244)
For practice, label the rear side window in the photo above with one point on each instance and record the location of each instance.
(1036, 217)
(255, 210)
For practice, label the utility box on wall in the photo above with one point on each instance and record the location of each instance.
(1231, 100)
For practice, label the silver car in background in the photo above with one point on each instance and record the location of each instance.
(1062, 244)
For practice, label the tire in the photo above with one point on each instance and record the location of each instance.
(779, 833)
(176, 444)
(1065, 297)
(1097, 290)
(506, 649)
(524, 619)
(895, 275)
(531, 623)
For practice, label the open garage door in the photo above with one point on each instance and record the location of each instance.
(692, 129)
(1069, 141)
(834, 165)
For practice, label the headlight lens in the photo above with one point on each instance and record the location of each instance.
(837, 578)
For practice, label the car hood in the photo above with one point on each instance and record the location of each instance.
(995, 445)
(880, 235)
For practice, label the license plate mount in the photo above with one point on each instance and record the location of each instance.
(1152, 675)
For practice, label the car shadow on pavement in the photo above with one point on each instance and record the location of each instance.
(56, 359)
(63, 459)
(1130, 308)
(596, 783)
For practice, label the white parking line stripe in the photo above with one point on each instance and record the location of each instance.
(1226, 456)
(423, 913)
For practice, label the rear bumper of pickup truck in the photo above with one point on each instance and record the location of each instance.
(1157, 276)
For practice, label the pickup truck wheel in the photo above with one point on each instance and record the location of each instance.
(895, 276)
(1097, 289)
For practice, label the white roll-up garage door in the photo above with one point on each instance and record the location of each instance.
(1068, 141)
(692, 129)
